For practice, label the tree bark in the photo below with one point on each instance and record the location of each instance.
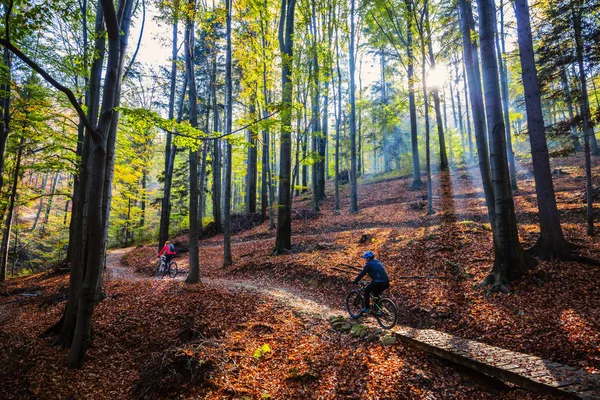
(165, 209)
(511, 261)
(216, 162)
(569, 101)
(551, 242)
(41, 204)
(89, 295)
(49, 205)
(417, 182)
(504, 88)
(9, 215)
(78, 227)
(353, 177)
(252, 166)
(436, 95)
(585, 113)
(427, 135)
(227, 260)
(189, 45)
(5, 100)
(286, 45)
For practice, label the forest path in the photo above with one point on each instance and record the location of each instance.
(284, 294)
(526, 371)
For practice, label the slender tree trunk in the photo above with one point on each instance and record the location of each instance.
(9, 215)
(504, 84)
(252, 175)
(585, 113)
(384, 100)
(189, 46)
(49, 205)
(468, 119)
(227, 260)
(471, 66)
(569, 101)
(353, 177)
(315, 130)
(165, 211)
(338, 118)
(436, 95)
(5, 94)
(216, 166)
(286, 45)
(41, 204)
(427, 135)
(266, 187)
(417, 182)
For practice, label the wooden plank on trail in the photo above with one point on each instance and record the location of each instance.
(524, 370)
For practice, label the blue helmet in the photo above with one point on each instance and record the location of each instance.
(368, 254)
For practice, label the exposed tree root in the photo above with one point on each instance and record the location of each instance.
(547, 251)
(417, 185)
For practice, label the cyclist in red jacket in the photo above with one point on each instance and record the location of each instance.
(169, 251)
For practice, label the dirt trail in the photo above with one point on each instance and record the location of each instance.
(289, 296)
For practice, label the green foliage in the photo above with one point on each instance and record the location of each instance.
(262, 351)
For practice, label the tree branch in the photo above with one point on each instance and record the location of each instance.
(72, 99)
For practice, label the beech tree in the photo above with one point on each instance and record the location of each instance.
(286, 47)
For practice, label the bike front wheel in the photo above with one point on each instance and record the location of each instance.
(160, 270)
(354, 302)
(172, 269)
(386, 313)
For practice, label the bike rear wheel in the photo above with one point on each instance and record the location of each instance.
(160, 270)
(172, 269)
(386, 313)
(354, 302)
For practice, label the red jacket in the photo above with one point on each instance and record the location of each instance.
(166, 250)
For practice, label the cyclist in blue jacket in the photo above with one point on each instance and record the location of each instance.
(379, 279)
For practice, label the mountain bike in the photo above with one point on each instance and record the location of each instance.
(163, 268)
(383, 308)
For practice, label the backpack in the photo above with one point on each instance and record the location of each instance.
(172, 248)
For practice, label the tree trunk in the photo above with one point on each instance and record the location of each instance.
(427, 135)
(49, 205)
(569, 101)
(511, 261)
(286, 46)
(189, 45)
(165, 210)
(417, 182)
(227, 260)
(585, 113)
(436, 95)
(216, 162)
(9, 215)
(384, 101)
(551, 242)
(338, 118)
(5, 93)
(353, 177)
(89, 295)
(315, 129)
(41, 204)
(252, 175)
(468, 119)
(78, 227)
(505, 100)
(124, 19)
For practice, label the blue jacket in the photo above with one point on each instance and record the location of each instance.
(375, 270)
